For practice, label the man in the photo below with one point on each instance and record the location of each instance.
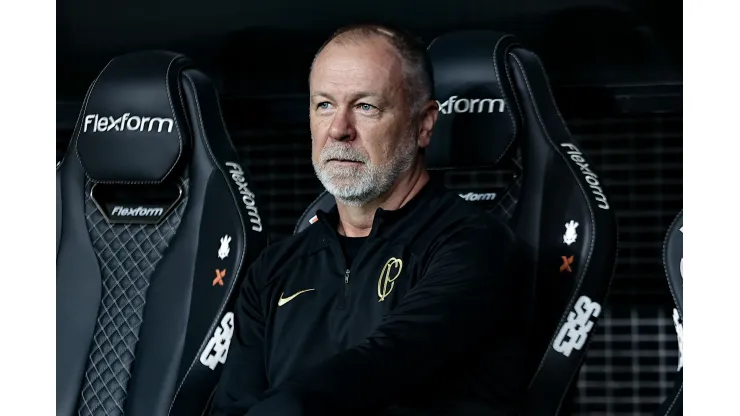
(399, 301)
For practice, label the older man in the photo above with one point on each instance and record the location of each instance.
(401, 300)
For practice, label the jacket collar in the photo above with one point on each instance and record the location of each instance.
(384, 220)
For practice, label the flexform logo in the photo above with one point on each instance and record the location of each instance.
(97, 123)
(134, 214)
(591, 178)
(458, 105)
(237, 175)
(121, 211)
(473, 197)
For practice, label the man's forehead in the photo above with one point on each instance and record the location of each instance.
(378, 45)
(367, 61)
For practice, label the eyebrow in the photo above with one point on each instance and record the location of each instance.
(358, 95)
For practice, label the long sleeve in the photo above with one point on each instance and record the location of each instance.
(466, 283)
(243, 381)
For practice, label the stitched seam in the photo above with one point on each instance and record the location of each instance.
(172, 109)
(83, 110)
(174, 116)
(571, 302)
(210, 398)
(244, 235)
(675, 399)
(223, 122)
(503, 93)
(498, 78)
(518, 106)
(589, 339)
(177, 127)
(303, 216)
(583, 191)
(588, 203)
(665, 260)
(614, 267)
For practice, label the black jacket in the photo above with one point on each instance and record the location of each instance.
(427, 320)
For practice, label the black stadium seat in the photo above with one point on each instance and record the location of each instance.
(156, 226)
(498, 115)
(673, 265)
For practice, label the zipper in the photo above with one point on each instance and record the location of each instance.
(343, 259)
(345, 296)
(346, 286)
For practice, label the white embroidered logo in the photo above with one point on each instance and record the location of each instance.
(223, 251)
(570, 235)
(127, 122)
(577, 327)
(218, 346)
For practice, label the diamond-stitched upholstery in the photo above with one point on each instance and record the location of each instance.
(507, 176)
(505, 208)
(127, 256)
(136, 303)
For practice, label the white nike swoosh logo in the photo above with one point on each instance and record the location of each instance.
(282, 301)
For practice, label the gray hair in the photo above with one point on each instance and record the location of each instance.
(417, 68)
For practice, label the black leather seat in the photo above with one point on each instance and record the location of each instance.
(673, 264)
(156, 226)
(498, 116)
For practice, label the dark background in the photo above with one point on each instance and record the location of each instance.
(616, 70)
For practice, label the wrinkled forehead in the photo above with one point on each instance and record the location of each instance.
(370, 64)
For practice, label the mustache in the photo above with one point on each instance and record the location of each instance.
(343, 153)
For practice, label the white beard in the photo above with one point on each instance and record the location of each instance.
(358, 185)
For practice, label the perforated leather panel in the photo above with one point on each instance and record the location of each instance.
(127, 255)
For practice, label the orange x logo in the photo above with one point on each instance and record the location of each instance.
(219, 277)
(567, 261)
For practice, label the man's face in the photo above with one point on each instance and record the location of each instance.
(362, 133)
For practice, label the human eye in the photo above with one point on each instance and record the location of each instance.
(324, 107)
(368, 108)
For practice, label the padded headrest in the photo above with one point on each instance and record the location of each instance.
(478, 119)
(132, 128)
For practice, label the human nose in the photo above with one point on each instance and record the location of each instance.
(342, 126)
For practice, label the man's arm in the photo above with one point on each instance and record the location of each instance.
(244, 381)
(465, 293)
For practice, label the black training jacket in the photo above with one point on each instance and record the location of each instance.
(429, 319)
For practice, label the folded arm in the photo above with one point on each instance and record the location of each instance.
(466, 283)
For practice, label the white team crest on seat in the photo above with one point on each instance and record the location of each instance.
(575, 330)
(218, 346)
(570, 235)
(223, 251)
